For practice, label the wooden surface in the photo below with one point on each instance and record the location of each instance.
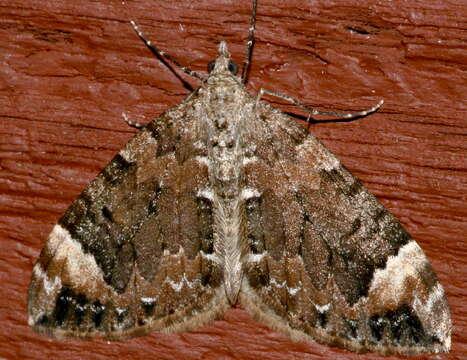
(69, 69)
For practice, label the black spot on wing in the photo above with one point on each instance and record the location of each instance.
(322, 317)
(63, 305)
(71, 310)
(400, 327)
(107, 213)
(97, 313)
(80, 309)
(148, 305)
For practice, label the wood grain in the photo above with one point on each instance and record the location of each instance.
(69, 69)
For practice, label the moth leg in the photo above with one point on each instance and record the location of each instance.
(249, 44)
(135, 125)
(161, 54)
(312, 111)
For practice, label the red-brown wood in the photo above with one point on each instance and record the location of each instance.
(69, 69)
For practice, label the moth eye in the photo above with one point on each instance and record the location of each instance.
(233, 68)
(211, 66)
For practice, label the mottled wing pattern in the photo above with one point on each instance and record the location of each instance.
(327, 261)
(135, 251)
(225, 198)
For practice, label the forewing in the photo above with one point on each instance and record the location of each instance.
(327, 261)
(135, 251)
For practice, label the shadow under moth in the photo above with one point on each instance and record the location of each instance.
(225, 200)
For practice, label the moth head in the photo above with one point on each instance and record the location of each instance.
(223, 62)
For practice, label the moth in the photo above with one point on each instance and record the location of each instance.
(225, 200)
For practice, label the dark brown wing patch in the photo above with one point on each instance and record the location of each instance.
(134, 252)
(326, 261)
